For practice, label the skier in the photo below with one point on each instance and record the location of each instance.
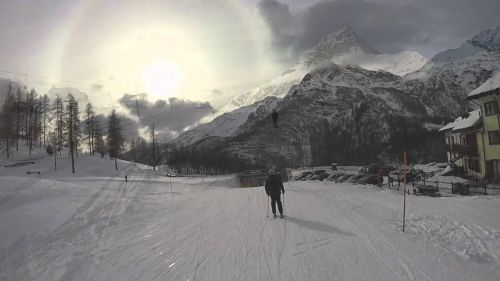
(275, 118)
(274, 188)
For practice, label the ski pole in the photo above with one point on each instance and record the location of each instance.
(267, 205)
(283, 204)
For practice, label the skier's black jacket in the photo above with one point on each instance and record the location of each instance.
(274, 186)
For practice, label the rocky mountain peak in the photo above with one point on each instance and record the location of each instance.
(488, 39)
(336, 44)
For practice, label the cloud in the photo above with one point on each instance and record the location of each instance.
(428, 26)
(280, 20)
(97, 87)
(170, 117)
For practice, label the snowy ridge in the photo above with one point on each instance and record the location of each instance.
(488, 39)
(226, 124)
(342, 42)
(343, 47)
(399, 64)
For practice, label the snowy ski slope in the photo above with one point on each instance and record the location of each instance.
(94, 226)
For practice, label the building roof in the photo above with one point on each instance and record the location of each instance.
(464, 123)
(492, 84)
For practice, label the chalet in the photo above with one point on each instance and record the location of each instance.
(487, 97)
(462, 138)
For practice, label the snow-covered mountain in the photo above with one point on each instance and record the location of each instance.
(340, 43)
(338, 113)
(228, 123)
(449, 76)
(350, 114)
(342, 47)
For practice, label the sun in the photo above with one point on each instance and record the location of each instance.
(162, 79)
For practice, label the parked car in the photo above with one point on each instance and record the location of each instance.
(374, 169)
(355, 178)
(369, 179)
(319, 175)
(308, 177)
(323, 176)
(333, 177)
(343, 178)
(302, 175)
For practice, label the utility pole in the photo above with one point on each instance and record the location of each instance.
(404, 173)
(154, 160)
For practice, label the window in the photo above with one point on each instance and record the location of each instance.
(494, 137)
(490, 108)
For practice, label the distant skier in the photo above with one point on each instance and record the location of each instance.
(275, 118)
(274, 188)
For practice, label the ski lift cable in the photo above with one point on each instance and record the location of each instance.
(32, 77)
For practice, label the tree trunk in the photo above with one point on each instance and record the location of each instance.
(71, 141)
(92, 138)
(116, 164)
(8, 155)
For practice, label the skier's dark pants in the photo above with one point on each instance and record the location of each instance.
(276, 199)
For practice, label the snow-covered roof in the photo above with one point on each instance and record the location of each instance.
(491, 84)
(461, 123)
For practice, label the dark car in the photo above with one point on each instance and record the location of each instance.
(355, 178)
(308, 177)
(321, 177)
(369, 179)
(302, 175)
(343, 178)
(333, 177)
(374, 169)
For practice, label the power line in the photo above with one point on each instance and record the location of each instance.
(32, 77)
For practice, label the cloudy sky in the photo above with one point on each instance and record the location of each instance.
(206, 51)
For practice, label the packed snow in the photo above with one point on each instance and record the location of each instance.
(95, 226)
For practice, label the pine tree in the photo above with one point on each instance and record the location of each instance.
(115, 138)
(59, 122)
(45, 110)
(89, 125)
(97, 138)
(7, 119)
(18, 117)
(72, 125)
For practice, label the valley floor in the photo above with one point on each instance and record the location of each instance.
(94, 226)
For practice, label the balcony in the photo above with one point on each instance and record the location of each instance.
(464, 150)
